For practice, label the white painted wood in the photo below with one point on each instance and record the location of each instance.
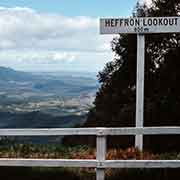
(141, 164)
(100, 174)
(142, 130)
(48, 162)
(140, 88)
(101, 148)
(91, 131)
(140, 25)
(48, 132)
(100, 156)
(90, 163)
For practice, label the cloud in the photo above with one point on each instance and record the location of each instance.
(39, 57)
(28, 29)
(59, 56)
(31, 39)
(54, 60)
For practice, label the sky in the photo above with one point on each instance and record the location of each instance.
(57, 35)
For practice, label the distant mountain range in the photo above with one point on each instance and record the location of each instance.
(8, 74)
(37, 100)
(12, 82)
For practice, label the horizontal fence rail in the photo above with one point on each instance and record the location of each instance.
(90, 163)
(100, 163)
(90, 131)
(48, 162)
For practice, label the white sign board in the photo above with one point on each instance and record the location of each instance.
(140, 25)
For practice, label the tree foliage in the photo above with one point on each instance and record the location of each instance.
(115, 100)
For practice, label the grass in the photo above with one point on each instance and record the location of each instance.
(16, 150)
(9, 149)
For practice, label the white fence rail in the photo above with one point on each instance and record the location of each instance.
(90, 131)
(100, 163)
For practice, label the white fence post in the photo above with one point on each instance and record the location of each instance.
(140, 88)
(100, 155)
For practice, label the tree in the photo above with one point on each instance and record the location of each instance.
(115, 100)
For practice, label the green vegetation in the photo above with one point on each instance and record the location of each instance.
(115, 100)
(11, 149)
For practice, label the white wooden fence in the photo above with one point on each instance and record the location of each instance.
(100, 163)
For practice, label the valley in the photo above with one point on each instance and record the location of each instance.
(44, 100)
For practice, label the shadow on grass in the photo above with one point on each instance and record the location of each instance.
(21, 173)
(14, 173)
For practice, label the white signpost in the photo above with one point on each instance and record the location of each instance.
(140, 26)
